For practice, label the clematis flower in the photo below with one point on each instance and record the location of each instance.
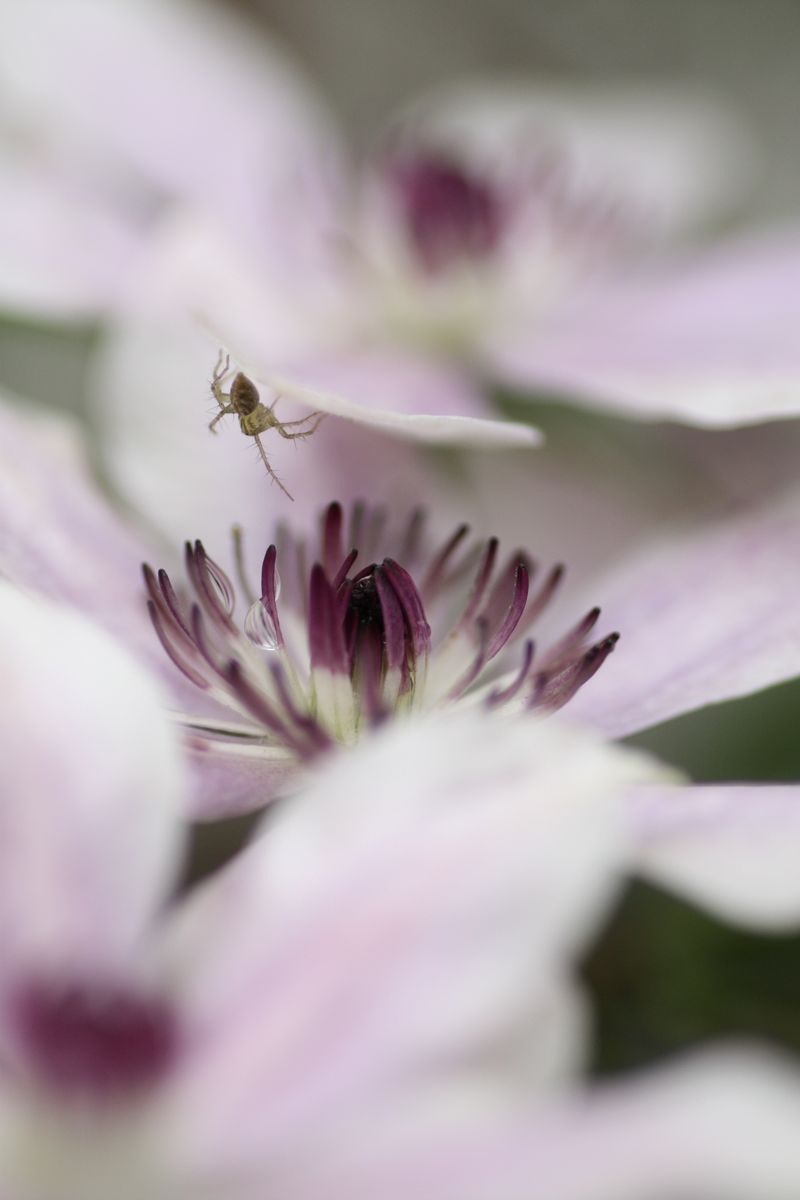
(494, 237)
(695, 628)
(269, 1031)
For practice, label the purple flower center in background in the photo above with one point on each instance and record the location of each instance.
(450, 214)
(96, 1041)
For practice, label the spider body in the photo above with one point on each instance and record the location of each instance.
(255, 418)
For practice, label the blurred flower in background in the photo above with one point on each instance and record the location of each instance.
(497, 235)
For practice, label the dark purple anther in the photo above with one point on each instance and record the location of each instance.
(269, 591)
(332, 538)
(95, 1041)
(450, 214)
(412, 606)
(326, 637)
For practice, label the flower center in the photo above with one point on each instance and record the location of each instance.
(98, 1041)
(450, 214)
(351, 647)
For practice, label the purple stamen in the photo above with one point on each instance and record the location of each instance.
(393, 625)
(434, 578)
(370, 629)
(412, 538)
(171, 599)
(177, 658)
(326, 635)
(344, 570)
(201, 640)
(332, 538)
(505, 586)
(481, 582)
(171, 621)
(513, 614)
(313, 730)
(556, 687)
(269, 592)
(503, 695)
(205, 577)
(564, 651)
(543, 597)
(256, 703)
(411, 605)
(478, 663)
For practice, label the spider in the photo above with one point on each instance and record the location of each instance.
(254, 417)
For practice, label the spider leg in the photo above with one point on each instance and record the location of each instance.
(266, 462)
(221, 370)
(315, 419)
(221, 367)
(223, 412)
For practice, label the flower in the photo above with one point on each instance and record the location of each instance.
(359, 645)
(325, 276)
(347, 1007)
(705, 613)
(194, 1044)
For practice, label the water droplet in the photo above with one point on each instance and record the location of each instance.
(259, 627)
(222, 586)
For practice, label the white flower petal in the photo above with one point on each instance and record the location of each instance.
(91, 783)
(713, 1125)
(731, 848)
(230, 779)
(705, 616)
(63, 253)
(406, 918)
(177, 97)
(444, 429)
(59, 535)
(710, 342)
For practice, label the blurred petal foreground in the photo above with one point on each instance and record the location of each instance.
(374, 998)
(375, 993)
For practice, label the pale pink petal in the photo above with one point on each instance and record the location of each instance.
(674, 157)
(59, 536)
(405, 932)
(709, 342)
(169, 97)
(92, 785)
(228, 779)
(705, 616)
(714, 1125)
(446, 429)
(64, 254)
(732, 848)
